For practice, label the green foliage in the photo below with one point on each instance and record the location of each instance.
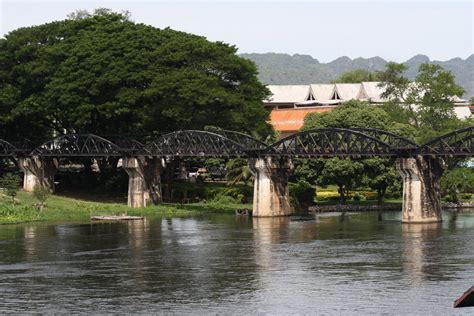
(41, 194)
(357, 76)
(426, 103)
(352, 114)
(238, 170)
(457, 180)
(302, 194)
(103, 73)
(345, 173)
(9, 182)
(376, 173)
(379, 175)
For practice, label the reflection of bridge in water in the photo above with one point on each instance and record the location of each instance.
(421, 166)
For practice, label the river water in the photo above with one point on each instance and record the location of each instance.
(367, 263)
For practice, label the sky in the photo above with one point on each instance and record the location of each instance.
(394, 30)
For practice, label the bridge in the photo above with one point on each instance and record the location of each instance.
(420, 166)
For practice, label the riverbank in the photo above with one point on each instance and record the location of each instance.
(61, 208)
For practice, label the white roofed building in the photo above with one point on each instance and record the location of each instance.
(289, 104)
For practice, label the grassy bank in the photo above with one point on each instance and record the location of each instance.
(61, 208)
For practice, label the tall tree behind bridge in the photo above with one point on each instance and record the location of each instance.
(427, 103)
(105, 74)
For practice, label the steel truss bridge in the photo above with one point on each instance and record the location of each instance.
(326, 142)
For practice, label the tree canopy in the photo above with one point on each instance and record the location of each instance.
(357, 76)
(105, 74)
(427, 103)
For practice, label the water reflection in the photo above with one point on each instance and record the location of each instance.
(224, 264)
(416, 250)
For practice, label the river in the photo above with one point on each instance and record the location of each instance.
(366, 263)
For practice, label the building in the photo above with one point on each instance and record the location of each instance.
(289, 104)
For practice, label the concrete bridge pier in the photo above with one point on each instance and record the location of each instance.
(421, 189)
(144, 180)
(271, 195)
(38, 171)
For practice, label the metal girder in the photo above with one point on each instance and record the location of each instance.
(456, 143)
(332, 142)
(7, 149)
(194, 143)
(78, 145)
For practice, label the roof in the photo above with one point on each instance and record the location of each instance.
(373, 91)
(322, 92)
(291, 120)
(348, 91)
(288, 93)
(462, 112)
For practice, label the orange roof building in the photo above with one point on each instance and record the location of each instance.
(289, 121)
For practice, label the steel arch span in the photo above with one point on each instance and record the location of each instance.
(7, 149)
(331, 142)
(456, 143)
(78, 145)
(194, 143)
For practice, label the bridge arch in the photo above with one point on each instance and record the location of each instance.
(77, 145)
(331, 142)
(194, 143)
(456, 143)
(7, 149)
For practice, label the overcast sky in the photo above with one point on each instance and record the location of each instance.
(394, 30)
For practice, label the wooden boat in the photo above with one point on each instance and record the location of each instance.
(466, 300)
(116, 218)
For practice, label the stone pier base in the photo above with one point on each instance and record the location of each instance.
(144, 181)
(38, 172)
(271, 196)
(421, 189)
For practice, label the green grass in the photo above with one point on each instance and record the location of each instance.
(61, 208)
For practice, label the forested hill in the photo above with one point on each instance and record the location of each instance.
(303, 69)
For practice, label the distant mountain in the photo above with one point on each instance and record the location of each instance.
(303, 69)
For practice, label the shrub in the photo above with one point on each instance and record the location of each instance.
(302, 194)
(465, 196)
(9, 182)
(41, 194)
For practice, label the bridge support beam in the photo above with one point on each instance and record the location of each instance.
(144, 180)
(38, 172)
(421, 189)
(271, 196)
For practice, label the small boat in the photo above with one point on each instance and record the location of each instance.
(116, 218)
(466, 300)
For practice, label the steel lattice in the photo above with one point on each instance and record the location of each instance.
(194, 143)
(77, 145)
(457, 143)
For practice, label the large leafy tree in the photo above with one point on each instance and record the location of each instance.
(427, 103)
(346, 173)
(103, 73)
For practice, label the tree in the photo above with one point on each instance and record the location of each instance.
(238, 170)
(379, 173)
(345, 173)
(427, 103)
(457, 180)
(9, 182)
(104, 74)
(357, 76)
(41, 194)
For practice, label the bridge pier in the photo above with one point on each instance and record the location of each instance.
(421, 189)
(38, 171)
(271, 195)
(144, 180)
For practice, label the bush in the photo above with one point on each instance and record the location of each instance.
(302, 194)
(465, 196)
(223, 199)
(41, 194)
(358, 197)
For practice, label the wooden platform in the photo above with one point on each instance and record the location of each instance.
(116, 218)
(466, 300)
